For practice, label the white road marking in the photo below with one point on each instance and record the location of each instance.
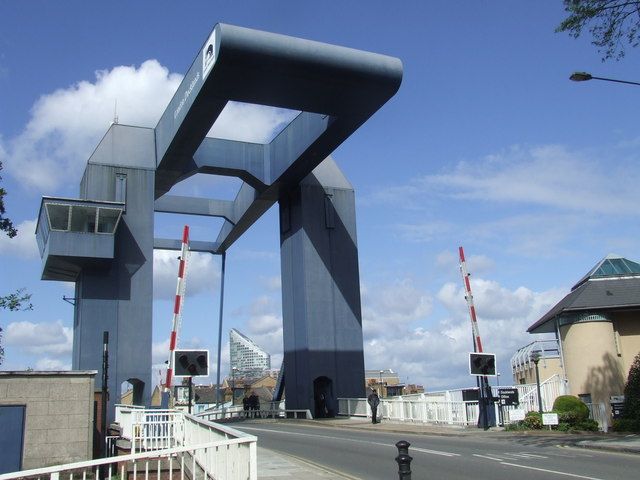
(524, 455)
(487, 456)
(413, 449)
(575, 475)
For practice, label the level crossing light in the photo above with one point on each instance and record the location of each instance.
(584, 76)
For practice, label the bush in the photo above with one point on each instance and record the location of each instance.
(626, 425)
(570, 409)
(532, 421)
(587, 425)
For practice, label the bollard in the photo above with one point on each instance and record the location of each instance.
(404, 460)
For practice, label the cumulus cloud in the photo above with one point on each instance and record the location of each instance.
(203, 274)
(66, 125)
(47, 338)
(434, 351)
(251, 123)
(398, 304)
(24, 244)
(52, 364)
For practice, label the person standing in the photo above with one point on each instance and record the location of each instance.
(373, 401)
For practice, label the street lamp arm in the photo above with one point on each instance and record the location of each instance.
(584, 76)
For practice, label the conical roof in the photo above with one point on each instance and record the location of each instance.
(611, 266)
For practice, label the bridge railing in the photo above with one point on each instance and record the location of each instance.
(414, 409)
(239, 414)
(165, 443)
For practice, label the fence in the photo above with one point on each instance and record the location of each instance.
(239, 413)
(447, 407)
(165, 443)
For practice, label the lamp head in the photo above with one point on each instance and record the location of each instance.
(580, 76)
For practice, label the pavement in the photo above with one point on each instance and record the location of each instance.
(279, 466)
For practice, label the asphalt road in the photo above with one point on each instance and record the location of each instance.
(371, 455)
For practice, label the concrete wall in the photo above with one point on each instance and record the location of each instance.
(627, 325)
(592, 363)
(59, 414)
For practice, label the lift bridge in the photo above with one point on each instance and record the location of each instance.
(104, 240)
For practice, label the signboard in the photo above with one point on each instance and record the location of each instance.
(191, 363)
(471, 395)
(508, 396)
(516, 414)
(617, 409)
(482, 364)
(550, 419)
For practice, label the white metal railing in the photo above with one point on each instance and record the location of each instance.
(447, 407)
(414, 410)
(165, 443)
(235, 413)
(219, 460)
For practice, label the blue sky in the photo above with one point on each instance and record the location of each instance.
(487, 145)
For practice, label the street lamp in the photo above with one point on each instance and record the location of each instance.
(584, 76)
(233, 385)
(535, 358)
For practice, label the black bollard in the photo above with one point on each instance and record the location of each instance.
(404, 460)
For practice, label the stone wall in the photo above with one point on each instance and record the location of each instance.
(59, 414)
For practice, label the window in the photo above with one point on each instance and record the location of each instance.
(121, 187)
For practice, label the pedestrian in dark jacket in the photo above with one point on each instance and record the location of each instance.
(373, 400)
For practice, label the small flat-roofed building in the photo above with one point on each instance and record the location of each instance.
(598, 328)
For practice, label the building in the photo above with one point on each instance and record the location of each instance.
(46, 418)
(549, 363)
(597, 326)
(385, 382)
(247, 358)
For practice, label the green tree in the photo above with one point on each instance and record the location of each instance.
(5, 223)
(19, 300)
(613, 24)
(631, 409)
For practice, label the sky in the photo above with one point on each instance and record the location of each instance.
(486, 145)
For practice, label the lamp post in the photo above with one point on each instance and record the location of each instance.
(381, 372)
(233, 385)
(535, 358)
(584, 76)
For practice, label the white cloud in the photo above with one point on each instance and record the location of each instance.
(52, 364)
(51, 338)
(66, 125)
(24, 244)
(395, 305)
(203, 274)
(548, 176)
(435, 353)
(250, 123)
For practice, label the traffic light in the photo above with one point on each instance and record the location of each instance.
(191, 363)
(482, 364)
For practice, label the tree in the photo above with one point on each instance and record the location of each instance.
(19, 300)
(631, 410)
(5, 223)
(612, 24)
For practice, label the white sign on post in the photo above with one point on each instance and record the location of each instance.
(516, 414)
(550, 419)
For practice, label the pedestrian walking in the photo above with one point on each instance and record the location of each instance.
(373, 401)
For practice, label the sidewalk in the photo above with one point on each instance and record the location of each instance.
(274, 465)
(620, 442)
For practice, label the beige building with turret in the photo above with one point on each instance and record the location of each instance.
(597, 326)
